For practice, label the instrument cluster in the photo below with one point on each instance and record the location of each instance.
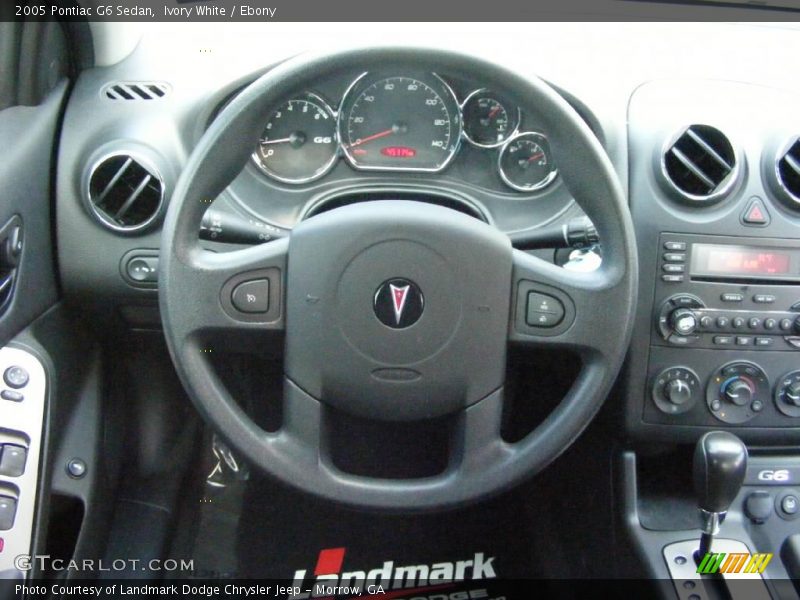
(400, 123)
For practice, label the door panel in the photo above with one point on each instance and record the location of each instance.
(27, 141)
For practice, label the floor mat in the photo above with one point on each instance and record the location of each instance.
(282, 531)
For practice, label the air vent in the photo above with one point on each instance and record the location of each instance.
(125, 194)
(789, 171)
(701, 163)
(136, 90)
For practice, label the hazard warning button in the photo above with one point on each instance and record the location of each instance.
(755, 213)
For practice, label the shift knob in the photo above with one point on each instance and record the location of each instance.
(720, 462)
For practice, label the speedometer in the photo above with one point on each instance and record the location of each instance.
(400, 123)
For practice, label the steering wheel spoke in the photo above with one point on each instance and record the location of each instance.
(301, 433)
(476, 440)
(228, 296)
(560, 309)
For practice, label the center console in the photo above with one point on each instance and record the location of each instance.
(725, 332)
(714, 185)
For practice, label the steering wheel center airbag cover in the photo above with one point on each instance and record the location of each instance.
(340, 352)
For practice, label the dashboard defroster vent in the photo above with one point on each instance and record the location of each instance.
(700, 163)
(136, 90)
(788, 170)
(125, 194)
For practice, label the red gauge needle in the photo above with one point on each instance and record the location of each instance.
(372, 137)
(493, 112)
(535, 157)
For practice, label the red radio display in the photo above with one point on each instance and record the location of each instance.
(398, 151)
(710, 259)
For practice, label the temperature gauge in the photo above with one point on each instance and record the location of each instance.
(488, 122)
(525, 163)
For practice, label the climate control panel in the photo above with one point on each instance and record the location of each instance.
(715, 388)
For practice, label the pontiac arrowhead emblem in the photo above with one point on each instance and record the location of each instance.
(398, 303)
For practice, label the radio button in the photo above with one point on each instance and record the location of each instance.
(722, 322)
(763, 298)
(674, 246)
(706, 322)
(686, 300)
(737, 322)
(674, 257)
(723, 340)
(673, 268)
(682, 340)
(764, 341)
(732, 297)
(770, 323)
(672, 278)
(754, 323)
(786, 324)
(743, 340)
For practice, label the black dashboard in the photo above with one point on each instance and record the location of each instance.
(710, 166)
(401, 132)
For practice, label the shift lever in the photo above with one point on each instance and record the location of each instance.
(720, 462)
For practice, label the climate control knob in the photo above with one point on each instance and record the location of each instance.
(678, 391)
(739, 392)
(792, 393)
(787, 394)
(683, 321)
(675, 390)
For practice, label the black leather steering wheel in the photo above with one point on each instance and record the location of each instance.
(324, 280)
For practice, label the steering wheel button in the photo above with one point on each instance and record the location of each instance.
(544, 303)
(542, 319)
(544, 310)
(251, 296)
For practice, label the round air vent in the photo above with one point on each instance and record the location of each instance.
(700, 164)
(787, 169)
(125, 193)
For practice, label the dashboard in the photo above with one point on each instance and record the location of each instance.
(399, 132)
(400, 123)
(705, 152)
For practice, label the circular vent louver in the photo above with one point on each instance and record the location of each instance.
(789, 171)
(700, 163)
(125, 194)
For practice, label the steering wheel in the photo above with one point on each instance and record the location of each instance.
(396, 310)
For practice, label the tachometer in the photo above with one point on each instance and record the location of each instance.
(299, 141)
(400, 123)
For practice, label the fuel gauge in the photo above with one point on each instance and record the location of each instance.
(488, 121)
(525, 163)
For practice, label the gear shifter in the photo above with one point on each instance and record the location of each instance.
(720, 462)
